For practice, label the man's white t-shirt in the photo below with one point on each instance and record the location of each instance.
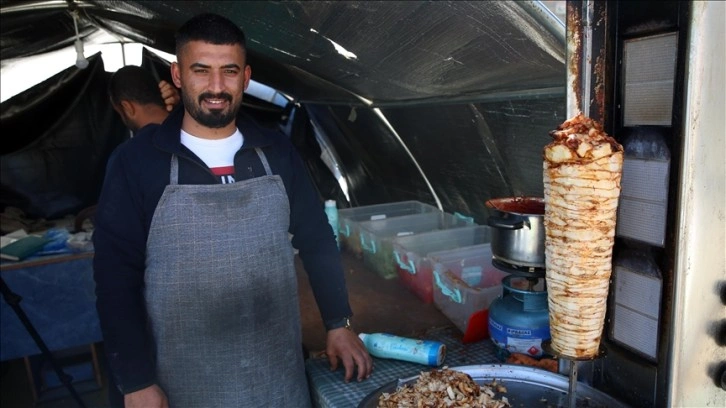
(217, 154)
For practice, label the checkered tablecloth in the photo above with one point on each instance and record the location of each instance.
(328, 390)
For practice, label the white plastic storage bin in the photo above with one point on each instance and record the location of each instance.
(465, 284)
(376, 237)
(349, 219)
(414, 268)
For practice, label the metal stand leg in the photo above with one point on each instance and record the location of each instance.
(571, 395)
(572, 392)
(13, 300)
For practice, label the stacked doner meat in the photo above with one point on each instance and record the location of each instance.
(582, 169)
(445, 388)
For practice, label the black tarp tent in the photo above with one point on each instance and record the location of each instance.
(445, 102)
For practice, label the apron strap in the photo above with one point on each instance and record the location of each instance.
(263, 159)
(174, 172)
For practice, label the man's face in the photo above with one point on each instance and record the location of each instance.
(212, 79)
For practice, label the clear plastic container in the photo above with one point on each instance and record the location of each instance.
(414, 267)
(465, 284)
(331, 211)
(349, 219)
(376, 237)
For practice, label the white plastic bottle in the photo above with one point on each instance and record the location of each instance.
(383, 345)
(331, 210)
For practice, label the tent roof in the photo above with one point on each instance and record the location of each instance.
(335, 52)
(464, 93)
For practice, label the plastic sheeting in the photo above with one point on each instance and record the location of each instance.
(336, 52)
(57, 137)
(469, 153)
(445, 102)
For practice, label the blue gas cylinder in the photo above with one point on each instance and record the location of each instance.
(519, 319)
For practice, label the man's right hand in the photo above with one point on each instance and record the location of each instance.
(149, 397)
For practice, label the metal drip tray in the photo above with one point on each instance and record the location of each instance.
(526, 387)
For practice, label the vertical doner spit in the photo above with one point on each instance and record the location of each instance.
(582, 169)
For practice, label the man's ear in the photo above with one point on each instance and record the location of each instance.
(128, 108)
(176, 74)
(248, 76)
(117, 108)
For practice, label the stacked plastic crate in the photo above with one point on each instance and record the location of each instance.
(442, 258)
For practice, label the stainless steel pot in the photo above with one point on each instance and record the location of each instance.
(518, 230)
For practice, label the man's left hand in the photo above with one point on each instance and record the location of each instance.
(169, 94)
(344, 345)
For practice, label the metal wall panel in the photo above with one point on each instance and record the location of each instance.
(699, 314)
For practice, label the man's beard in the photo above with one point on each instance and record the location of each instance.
(215, 118)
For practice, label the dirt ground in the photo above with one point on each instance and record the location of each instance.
(379, 305)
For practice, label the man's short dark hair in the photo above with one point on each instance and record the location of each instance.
(135, 84)
(212, 29)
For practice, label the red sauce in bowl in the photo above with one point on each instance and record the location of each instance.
(518, 205)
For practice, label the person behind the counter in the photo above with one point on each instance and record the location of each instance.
(195, 281)
(138, 99)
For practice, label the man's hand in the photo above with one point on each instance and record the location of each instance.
(344, 345)
(169, 94)
(149, 397)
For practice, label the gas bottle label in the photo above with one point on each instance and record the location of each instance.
(518, 340)
(532, 347)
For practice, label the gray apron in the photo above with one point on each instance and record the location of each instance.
(221, 294)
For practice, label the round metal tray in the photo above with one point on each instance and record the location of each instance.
(526, 387)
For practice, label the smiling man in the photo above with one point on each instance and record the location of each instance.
(195, 279)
